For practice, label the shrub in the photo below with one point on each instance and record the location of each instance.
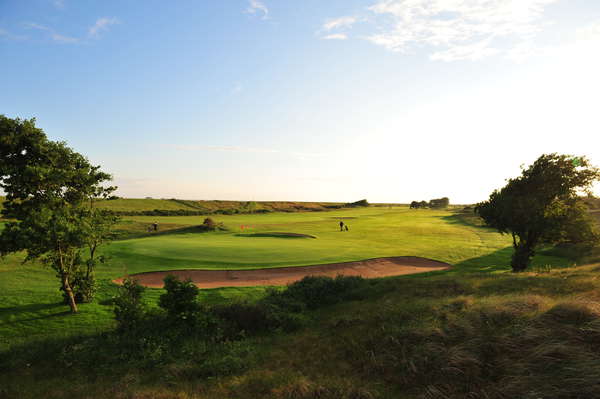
(316, 291)
(129, 308)
(180, 299)
(362, 202)
(243, 318)
(209, 224)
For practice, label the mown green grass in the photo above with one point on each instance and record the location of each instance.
(30, 307)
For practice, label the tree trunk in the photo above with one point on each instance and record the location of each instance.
(69, 292)
(521, 258)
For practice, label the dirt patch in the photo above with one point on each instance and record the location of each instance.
(277, 235)
(371, 268)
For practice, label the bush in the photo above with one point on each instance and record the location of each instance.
(129, 308)
(362, 202)
(316, 291)
(180, 299)
(243, 318)
(209, 224)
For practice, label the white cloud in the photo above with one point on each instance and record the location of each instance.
(63, 39)
(256, 6)
(472, 52)
(57, 37)
(451, 29)
(342, 22)
(60, 4)
(101, 25)
(336, 36)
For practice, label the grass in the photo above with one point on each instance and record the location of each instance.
(380, 346)
(30, 301)
(484, 335)
(133, 205)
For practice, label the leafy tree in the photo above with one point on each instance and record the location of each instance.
(50, 191)
(543, 206)
(439, 203)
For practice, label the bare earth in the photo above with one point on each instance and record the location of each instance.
(371, 268)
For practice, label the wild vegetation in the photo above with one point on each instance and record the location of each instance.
(483, 336)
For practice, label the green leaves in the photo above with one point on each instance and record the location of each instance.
(543, 205)
(50, 191)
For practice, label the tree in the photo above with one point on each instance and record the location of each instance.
(543, 206)
(50, 191)
(439, 203)
(98, 227)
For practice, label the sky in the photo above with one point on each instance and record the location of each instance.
(307, 100)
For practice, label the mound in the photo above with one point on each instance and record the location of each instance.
(371, 268)
(277, 235)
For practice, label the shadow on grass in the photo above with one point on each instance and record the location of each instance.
(467, 219)
(31, 312)
(183, 230)
(276, 235)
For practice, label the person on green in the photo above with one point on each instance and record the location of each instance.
(341, 226)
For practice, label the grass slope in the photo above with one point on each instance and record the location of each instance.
(480, 335)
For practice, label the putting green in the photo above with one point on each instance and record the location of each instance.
(373, 233)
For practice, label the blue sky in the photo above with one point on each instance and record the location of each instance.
(390, 100)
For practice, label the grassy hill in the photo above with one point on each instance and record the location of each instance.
(138, 206)
(133, 206)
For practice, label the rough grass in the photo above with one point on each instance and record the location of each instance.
(479, 335)
(140, 205)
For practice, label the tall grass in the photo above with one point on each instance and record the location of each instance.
(476, 336)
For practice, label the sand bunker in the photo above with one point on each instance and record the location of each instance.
(371, 268)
